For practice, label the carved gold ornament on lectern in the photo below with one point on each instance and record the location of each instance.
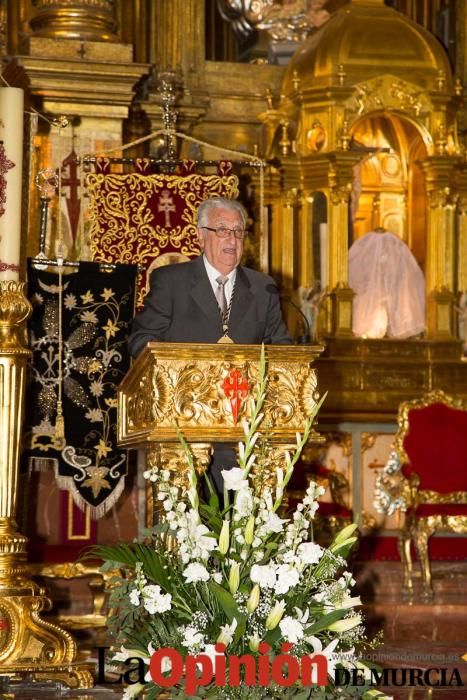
(205, 391)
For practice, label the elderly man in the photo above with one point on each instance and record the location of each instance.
(212, 298)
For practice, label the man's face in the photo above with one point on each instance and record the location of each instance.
(223, 253)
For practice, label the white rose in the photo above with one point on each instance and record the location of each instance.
(264, 576)
(287, 578)
(310, 553)
(292, 630)
(196, 572)
(154, 601)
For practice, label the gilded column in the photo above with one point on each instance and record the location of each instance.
(439, 270)
(29, 646)
(341, 295)
(276, 229)
(440, 263)
(180, 37)
(289, 204)
(179, 60)
(462, 243)
(89, 20)
(305, 275)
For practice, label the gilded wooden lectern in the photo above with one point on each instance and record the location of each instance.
(205, 391)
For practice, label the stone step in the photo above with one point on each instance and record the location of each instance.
(382, 581)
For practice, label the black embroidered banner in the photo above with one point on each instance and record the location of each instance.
(97, 308)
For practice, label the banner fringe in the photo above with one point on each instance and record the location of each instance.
(42, 464)
(96, 512)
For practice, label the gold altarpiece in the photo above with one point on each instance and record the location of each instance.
(370, 126)
(205, 392)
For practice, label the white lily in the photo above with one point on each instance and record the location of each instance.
(328, 652)
(346, 624)
(227, 632)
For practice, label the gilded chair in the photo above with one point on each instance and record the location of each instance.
(431, 446)
(99, 585)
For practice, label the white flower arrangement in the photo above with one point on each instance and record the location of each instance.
(239, 574)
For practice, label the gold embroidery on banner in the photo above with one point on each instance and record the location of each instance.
(122, 225)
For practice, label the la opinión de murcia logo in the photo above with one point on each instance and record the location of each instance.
(169, 668)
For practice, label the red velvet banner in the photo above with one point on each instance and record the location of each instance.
(149, 219)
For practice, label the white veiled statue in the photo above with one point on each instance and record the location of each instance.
(389, 288)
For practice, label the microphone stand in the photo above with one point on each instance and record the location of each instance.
(304, 339)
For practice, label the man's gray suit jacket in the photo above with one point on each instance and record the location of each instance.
(181, 308)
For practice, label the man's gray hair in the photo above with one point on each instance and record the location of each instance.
(209, 205)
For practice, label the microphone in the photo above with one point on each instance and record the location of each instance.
(304, 339)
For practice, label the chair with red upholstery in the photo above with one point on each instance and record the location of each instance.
(431, 443)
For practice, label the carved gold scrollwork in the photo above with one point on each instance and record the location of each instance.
(151, 401)
(385, 92)
(139, 408)
(196, 394)
(160, 393)
(439, 198)
(282, 399)
(462, 206)
(368, 440)
(266, 467)
(198, 398)
(409, 101)
(7, 628)
(426, 496)
(340, 194)
(173, 458)
(309, 393)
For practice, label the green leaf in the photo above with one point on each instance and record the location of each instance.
(324, 622)
(225, 600)
(211, 517)
(241, 627)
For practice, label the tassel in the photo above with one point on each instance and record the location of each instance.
(60, 423)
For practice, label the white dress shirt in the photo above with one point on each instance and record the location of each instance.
(213, 274)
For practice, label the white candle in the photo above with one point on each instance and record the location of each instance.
(11, 133)
(323, 249)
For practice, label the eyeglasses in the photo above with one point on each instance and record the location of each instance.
(223, 232)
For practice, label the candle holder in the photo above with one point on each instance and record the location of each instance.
(29, 646)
